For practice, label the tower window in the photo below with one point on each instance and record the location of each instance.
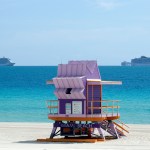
(68, 90)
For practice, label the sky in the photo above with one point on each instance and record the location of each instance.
(50, 32)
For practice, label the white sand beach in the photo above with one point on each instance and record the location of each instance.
(20, 136)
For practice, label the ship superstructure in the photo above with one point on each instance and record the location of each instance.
(6, 62)
(125, 63)
(142, 61)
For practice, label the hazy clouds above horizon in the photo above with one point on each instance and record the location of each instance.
(48, 32)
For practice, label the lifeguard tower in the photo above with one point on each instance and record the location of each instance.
(80, 114)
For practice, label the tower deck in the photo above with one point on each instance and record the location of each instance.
(93, 118)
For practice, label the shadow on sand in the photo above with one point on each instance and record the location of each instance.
(36, 142)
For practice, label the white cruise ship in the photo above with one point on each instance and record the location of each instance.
(6, 62)
(142, 61)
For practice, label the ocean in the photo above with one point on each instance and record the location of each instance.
(23, 92)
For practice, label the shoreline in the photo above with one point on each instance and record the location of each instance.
(23, 135)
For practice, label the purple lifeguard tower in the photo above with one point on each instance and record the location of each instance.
(80, 109)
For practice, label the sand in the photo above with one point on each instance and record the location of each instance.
(20, 136)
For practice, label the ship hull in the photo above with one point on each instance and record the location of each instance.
(138, 64)
(10, 64)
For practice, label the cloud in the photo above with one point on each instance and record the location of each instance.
(107, 4)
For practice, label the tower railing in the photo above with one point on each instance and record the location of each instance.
(106, 107)
(52, 105)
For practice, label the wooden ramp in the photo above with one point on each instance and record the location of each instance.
(122, 128)
(72, 140)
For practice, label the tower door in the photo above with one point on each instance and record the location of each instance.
(77, 107)
(68, 108)
(94, 97)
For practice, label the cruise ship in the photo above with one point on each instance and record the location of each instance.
(6, 62)
(125, 63)
(142, 61)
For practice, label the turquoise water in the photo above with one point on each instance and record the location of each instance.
(23, 92)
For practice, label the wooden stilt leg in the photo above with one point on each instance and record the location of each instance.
(53, 132)
(101, 133)
(113, 129)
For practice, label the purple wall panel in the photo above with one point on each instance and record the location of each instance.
(64, 70)
(56, 93)
(94, 75)
(64, 93)
(96, 96)
(89, 68)
(81, 83)
(84, 70)
(74, 70)
(79, 70)
(67, 79)
(76, 83)
(72, 95)
(96, 92)
(84, 83)
(59, 71)
(55, 83)
(75, 94)
(71, 83)
(97, 73)
(69, 70)
(60, 82)
(62, 103)
(65, 83)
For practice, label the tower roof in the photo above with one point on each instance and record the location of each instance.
(79, 68)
